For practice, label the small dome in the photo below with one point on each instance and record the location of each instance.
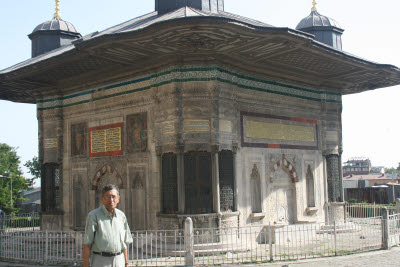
(316, 20)
(56, 24)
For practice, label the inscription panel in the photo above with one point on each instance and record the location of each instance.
(190, 126)
(225, 126)
(332, 136)
(50, 143)
(277, 131)
(168, 127)
(263, 130)
(105, 140)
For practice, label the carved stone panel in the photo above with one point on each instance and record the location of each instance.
(136, 127)
(80, 199)
(284, 205)
(79, 140)
(137, 178)
(256, 199)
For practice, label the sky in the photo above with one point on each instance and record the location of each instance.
(372, 31)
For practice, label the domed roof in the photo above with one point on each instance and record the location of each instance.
(316, 20)
(56, 24)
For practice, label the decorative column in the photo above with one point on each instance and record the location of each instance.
(181, 180)
(335, 188)
(235, 178)
(215, 178)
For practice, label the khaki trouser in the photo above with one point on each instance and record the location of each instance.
(101, 261)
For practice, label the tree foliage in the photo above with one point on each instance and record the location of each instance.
(394, 171)
(34, 168)
(9, 168)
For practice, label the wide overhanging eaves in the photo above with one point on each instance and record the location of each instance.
(299, 59)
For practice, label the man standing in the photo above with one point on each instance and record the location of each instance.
(107, 233)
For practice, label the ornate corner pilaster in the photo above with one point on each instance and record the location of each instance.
(215, 148)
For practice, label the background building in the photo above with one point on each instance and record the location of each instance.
(356, 166)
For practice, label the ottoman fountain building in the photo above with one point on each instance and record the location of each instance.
(192, 111)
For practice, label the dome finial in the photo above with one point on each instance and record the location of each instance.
(57, 14)
(314, 6)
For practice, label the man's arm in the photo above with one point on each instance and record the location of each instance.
(86, 254)
(126, 257)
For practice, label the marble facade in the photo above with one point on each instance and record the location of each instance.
(185, 109)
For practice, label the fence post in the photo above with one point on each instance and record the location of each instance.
(385, 228)
(374, 209)
(270, 242)
(189, 251)
(397, 205)
(334, 236)
(46, 249)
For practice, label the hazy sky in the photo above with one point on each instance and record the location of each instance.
(372, 31)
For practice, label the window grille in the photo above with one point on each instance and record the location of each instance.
(169, 184)
(51, 184)
(226, 181)
(197, 176)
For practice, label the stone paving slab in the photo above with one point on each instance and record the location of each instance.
(380, 258)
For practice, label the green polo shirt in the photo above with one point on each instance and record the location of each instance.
(106, 233)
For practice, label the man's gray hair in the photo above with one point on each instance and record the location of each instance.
(110, 187)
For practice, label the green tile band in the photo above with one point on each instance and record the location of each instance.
(190, 74)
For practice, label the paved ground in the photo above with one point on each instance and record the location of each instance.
(381, 258)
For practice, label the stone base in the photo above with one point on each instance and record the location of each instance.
(341, 228)
(51, 222)
(210, 224)
(335, 213)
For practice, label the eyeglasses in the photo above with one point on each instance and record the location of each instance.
(108, 197)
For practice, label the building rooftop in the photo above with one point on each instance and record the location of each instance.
(315, 19)
(371, 176)
(56, 24)
(287, 55)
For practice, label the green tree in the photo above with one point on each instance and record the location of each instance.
(390, 170)
(34, 168)
(9, 168)
(398, 167)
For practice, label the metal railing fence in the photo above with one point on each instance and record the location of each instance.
(366, 210)
(157, 248)
(394, 229)
(42, 247)
(255, 244)
(213, 246)
(24, 221)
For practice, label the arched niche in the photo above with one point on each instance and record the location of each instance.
(105, 175)
(282, 191)
(287, 166)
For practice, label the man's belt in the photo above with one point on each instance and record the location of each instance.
(107, 254)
